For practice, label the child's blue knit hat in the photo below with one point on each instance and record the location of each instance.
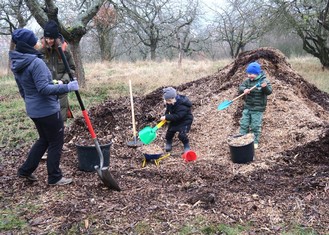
(253, 68)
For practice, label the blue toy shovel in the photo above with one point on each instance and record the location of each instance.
(227, 103)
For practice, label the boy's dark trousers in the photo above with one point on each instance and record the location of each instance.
(182, 136)
(51, 137)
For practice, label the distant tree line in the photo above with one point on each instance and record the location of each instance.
(131, 30)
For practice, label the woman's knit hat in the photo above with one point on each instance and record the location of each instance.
(169, 93)
(51, 30)
(24, 35)
(253, 68)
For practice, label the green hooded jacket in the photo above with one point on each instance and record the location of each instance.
(257, 99)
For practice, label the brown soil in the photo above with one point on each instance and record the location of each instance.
(287, 184)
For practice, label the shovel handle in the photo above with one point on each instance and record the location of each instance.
(132, 109)
(160, 124)
(84, 112)
(243, 93)
(237, 97)
(67, 68)
(88, 122)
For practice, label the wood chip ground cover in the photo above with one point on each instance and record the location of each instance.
(286, 184)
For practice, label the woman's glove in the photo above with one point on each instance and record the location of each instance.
(59, 82)
(73, 86)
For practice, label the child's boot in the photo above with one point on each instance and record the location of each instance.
(186, 147)
(168, 145)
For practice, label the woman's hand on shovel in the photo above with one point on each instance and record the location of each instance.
(163, 118)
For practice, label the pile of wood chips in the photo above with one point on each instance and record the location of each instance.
(240, 140)
(151, 149)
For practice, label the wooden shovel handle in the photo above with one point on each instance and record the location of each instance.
(132, 109)
(243, 93)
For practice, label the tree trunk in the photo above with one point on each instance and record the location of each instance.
(153, 55)
(12, 47)
(180, 58)
(76, 53)
(320, 50)
(105, 43)
(180, 52)
(102, 46)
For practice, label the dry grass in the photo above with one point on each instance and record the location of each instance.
(311, 69)
(148, 75)
(3, 71)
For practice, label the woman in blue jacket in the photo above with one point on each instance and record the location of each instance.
(40, 95)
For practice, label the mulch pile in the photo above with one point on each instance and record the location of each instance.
(287, 183)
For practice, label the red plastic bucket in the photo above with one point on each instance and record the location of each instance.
(189, 156)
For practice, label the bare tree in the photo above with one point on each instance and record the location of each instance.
(242, 22)
(13, 15)
(105, 23)
(72, 33)
(155, 21)
(310, 20)
(183, 31)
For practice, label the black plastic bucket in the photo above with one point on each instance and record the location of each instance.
(242, 154)
(88, 156)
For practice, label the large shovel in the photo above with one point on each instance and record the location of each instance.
(227, 103)
(102, 171)
(148, 134)
(134, 143)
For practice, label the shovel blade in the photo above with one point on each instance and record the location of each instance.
(147, 135)
(224, 104)
(107, 178)
(134, 144)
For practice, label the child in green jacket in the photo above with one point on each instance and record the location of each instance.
(255, 100)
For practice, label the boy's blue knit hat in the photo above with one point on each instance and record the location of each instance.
(24, 35)
(253, 68)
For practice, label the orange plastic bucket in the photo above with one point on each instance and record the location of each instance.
(189, 156)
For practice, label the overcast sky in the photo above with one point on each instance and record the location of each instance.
(207, 5)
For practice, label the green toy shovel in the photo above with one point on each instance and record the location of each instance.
(148, 134)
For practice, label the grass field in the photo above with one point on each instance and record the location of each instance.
(110, 80)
